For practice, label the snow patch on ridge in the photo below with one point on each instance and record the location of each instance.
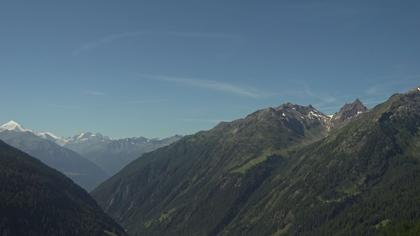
(13, 126)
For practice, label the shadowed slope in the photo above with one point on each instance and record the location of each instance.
(38, 200)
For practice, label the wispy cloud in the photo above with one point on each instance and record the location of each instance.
(212, 85)
(319, 99)
(372, 102)
(325, 101)
(64, 107)
(147, 101)
(322, 98)
(119, 36)
(199, 120)
(389, 84)
(93, 92)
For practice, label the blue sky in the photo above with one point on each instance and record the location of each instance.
(158, 68)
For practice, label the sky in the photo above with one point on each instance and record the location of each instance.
(159, 68)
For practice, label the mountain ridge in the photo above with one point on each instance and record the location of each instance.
(78, 168)
(277, 163)
(113, 154)
(198, 164)
(103, 155)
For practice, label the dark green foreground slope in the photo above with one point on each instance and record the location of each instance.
(268, 175)
(38, 200)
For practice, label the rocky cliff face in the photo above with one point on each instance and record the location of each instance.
(347, 113)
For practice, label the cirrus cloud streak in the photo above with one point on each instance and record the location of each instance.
(212, 85)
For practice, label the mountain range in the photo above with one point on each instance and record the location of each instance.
(289, 170)
(286, 170)
(79, 169)
(86, 158)
(113, 154)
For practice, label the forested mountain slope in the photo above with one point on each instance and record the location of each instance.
(38, 200)
(279, 172)
(201, 181)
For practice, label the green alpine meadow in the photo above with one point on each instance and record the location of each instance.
(280, 171)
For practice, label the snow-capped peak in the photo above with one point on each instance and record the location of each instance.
(13, 126)
(48, 134)
(80, 136)
(16, 127)
(88, 137)
(52, 137)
